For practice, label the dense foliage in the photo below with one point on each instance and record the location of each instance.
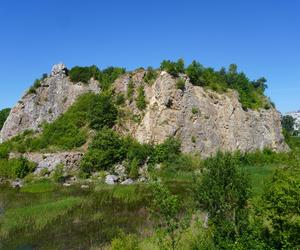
(150, 75)
(223, 191)
(288, 124)
(106, 77)
(15, 168)
(3, 116)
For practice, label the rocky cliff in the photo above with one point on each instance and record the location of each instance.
(50, 100)
(204, 121)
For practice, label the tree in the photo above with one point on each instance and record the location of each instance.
(141, 100)
(288, 123)
(173, 68)
(223, 191)
(280, 206)
(166, 207)
(105, 150)
(3, 116)
(102, 111)
(194, 72)
(260, 84)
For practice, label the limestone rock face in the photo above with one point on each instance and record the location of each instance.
(55, 95)
(203, 120)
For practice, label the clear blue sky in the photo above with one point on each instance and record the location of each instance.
(261, 36)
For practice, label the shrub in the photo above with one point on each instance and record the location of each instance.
(194, 72)
(3, 116)
(141, 100)
(83, 74)
(173, 68)
(134, 169)
(125, 242)
(166, 151)
(16, 168)
(166, 207)
(130, 91)
(102, 111)
(150, 76)
(58, 173)
(223, 191)
(105, 150)
(109, 75)
(280, 207)
(180, 84)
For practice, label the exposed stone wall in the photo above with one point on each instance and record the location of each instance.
(70, 160)
(205, 121)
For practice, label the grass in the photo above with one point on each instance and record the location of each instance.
(39, 187)
(35, 217)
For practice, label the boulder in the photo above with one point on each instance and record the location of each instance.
(127, 182)
(111, 179)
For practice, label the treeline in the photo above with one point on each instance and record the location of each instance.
(251, 93)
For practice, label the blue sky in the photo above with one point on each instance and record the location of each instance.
(261, 36)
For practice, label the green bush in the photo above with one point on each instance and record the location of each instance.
(223, 191)
(130, 91)
(105, 150)
(180, 84)
(166, 151)
(58, 173)
(16, 168)
(150, 76)
(3, 116)
(141, 100)
(125, 242)
(109, 75)
(279, 206)
(134, 169)
(83, 74)
(102, 111)
(173, 68)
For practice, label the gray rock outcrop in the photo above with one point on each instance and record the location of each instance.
(70, 160)
(204, 121)
(55, 95)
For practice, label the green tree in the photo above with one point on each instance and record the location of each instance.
(150, 75)
(288, 123)
(194, 72)
(3, 116)
(104, 151)
(280, 205)
(140, 99)
(166, 207)
(173, 68)
(109, 75)
(223, 191)
(102, 111)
